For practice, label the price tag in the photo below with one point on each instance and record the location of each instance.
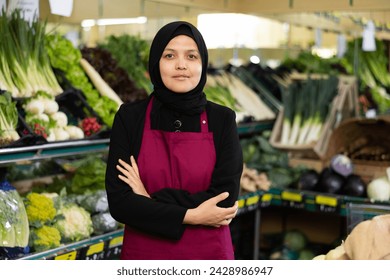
(266, 199)
(68, 256)
(95, 248)
(114, 248)
(241, 203)
(93, 252)
(293, 199)
(326, 203)
(116, 241)
(252, 202)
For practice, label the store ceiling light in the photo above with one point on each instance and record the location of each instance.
(113, 21)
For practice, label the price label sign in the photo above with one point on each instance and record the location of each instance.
(328, 204)
(114, 248)
(293, 199)
(241, 206)
(252, 202)
(68, 256)
(241, 203)
(95, 252)
(266, 199)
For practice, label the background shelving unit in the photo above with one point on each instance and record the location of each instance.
(108, 245)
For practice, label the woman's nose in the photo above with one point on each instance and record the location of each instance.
(181, 65)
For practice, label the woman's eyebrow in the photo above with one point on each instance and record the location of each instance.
(190, 50)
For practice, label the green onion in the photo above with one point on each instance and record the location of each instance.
(24, 65)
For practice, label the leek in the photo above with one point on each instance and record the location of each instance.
(287, 113)
(24, 65)
(309, 109)
(297, 119)
(327, 90)
(306, 105)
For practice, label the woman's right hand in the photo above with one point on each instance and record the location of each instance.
(209, 214)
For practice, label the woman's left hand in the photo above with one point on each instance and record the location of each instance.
(130, 175)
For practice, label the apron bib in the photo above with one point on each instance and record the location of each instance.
(179, 160)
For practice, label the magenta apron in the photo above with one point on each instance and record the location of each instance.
(180, 160)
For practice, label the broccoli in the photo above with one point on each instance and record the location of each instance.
(75, 224)
(40, 209)
(14, 227)
(44, 238)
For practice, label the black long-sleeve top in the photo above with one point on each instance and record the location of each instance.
(163, 214)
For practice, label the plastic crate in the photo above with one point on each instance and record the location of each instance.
(27, 137)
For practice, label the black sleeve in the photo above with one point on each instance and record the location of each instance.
(125, 206)
(227, 172)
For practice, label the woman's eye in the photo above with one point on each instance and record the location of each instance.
(168, 55)
(192, 56)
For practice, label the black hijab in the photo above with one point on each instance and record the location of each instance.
(194, 101)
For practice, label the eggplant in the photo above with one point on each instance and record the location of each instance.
(342, 165)
(354, 186)
(330, 181)
(308, 180)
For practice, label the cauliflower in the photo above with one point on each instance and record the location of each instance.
(76, 223)
(44, 238)
(40, 209)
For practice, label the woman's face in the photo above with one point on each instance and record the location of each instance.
(181, 64)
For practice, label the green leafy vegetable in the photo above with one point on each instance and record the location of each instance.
(132, 54)
(66, 57)
(89, 176)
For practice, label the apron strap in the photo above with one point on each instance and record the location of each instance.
(204, 127)
(147, 116)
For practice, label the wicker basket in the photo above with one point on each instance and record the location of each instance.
(344, 106)
(366, 142)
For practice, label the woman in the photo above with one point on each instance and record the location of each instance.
(175, 160)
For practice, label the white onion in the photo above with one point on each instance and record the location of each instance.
(379, 189)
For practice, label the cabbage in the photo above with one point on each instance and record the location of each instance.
(295, 240)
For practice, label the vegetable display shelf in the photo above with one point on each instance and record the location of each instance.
(108, 245)
(254, 127)
(273, 103)
(77, 147)
(102, 247)
(52, 150)
(317, 202)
